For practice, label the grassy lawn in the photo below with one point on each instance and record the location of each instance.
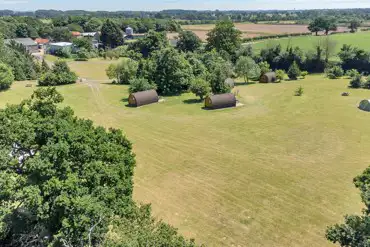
(275, 172)
(360, 39)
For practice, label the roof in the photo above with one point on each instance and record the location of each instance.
(145, 97)
(270, 74)
(41, 41)
(89, 34)
(61, 44)
(23, 41)
(221, 101)
(76, 33)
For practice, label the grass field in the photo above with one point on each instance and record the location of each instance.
(360, 39)
(275, 172)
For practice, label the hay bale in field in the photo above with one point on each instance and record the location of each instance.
(345, 94)
(143, 98)
(365, 105)
(29, 85)
(268, 77)
(220, 101)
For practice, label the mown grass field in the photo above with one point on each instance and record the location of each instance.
(360, 39)
(275, 172)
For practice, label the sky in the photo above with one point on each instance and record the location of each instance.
(154, 5)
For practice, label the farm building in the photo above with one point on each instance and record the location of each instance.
(365, 105)
(268, 77)
(143, 98)
(76, 34)
(30, 45)
(42, 42)
(54, 47)
(220, 101)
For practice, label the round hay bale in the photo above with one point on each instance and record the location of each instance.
(345, 94)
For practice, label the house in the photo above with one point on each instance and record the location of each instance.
(30, 45)
(52, 48)
(94, 36)
(42, 42)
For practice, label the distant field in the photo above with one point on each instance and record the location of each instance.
(251, 30)
(275, 172)
(360, 39)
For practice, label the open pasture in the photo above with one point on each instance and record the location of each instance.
(275, 172)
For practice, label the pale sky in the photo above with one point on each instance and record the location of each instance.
(144, 5)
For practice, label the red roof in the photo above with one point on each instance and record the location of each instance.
(41, 41)
(76, 34)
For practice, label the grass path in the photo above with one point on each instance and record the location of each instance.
(275, 172)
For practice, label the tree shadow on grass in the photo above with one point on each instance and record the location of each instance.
(245, 83)
(192, 101)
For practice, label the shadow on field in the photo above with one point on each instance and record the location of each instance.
(244, 83)
(192, 101)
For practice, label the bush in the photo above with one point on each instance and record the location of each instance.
(200, 88)
(367, 83)
(60, 74)
(356, 82)
(6, 76)
(299, 91)
(140, 84)
(63, 53)
(304, 74)
(294, 72)
(352, 73)
(82, 55)
(123, 71)
(334, 72)
(280, 75)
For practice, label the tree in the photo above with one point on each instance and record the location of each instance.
(44, 66)
(93, 25)
(354, 232)
(247, 67)
(83, 43)
(22, 30)
(294, 71)
(140, 84)
(200, 88)
(264, 67)
(280, 75)
(334, 72)
(367, 83)
(188, 42)
(123, 71)
(6, 76)
(354, 25)
(218, 74)
(60, 74)
(111, 34)
(173, 73)
(299, 91)
(75, 27)
(329, 25)
(352, 73)
(61, 34)
(224, 37)
(65, 182)
(153, 41)
(357, 81)
(316, 25)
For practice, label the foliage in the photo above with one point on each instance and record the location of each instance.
(334, 72)
(356, 81)
(170, 71)
(366, 84)
(352, 73)
(354, 58)
(299, 91)
(123, 71)
(218, 75)
(247, 68)
(354, 25)
(153, 41)
(60, 74)
(111, 34)
(188, 41)
(82, 55)
(93, 25)
(200, 87)
(354, 232)
(75, 27)
(83, 43)
(304, 74)
(21, 30)
(140, 84)
(280, 75)
(323, 24)
(264, 67)
(6, 76)
(224, 37)
(61, 34)
(294, 71)
(65, 52)
(44, 66)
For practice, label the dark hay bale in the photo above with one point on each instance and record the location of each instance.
(345, 94)
(29, 85)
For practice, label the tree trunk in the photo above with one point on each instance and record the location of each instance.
(317, 33)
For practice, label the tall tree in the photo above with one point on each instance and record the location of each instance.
(219, 72)
(111, 34)
(354, 24)
(355, 231)
(93, 25)
(153, 41)
(188, 42)
(6, 76)
(316, 25)
(224, 37)
(247, 68)
(61, 34)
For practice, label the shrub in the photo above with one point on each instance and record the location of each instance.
(280, 75)
(60, 74)
(200, 88)
(265, 67)
(294, 72)
(6, 76)
(299, 91)
(140, 84)
(334, 72)
(123, 71)
(367, 83)
(82, 55)
(356, 82)
(304, 74)
(352, 73)
(63, 53)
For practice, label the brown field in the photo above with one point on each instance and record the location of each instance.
(251, 30)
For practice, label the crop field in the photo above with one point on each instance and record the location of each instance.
(275, 172)
(251, 30)
(360, 40)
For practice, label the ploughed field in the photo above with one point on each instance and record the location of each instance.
(275, 172)
(251, 30)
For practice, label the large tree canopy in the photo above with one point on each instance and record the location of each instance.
(224, 37)
(64, 181)
(111, 34)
